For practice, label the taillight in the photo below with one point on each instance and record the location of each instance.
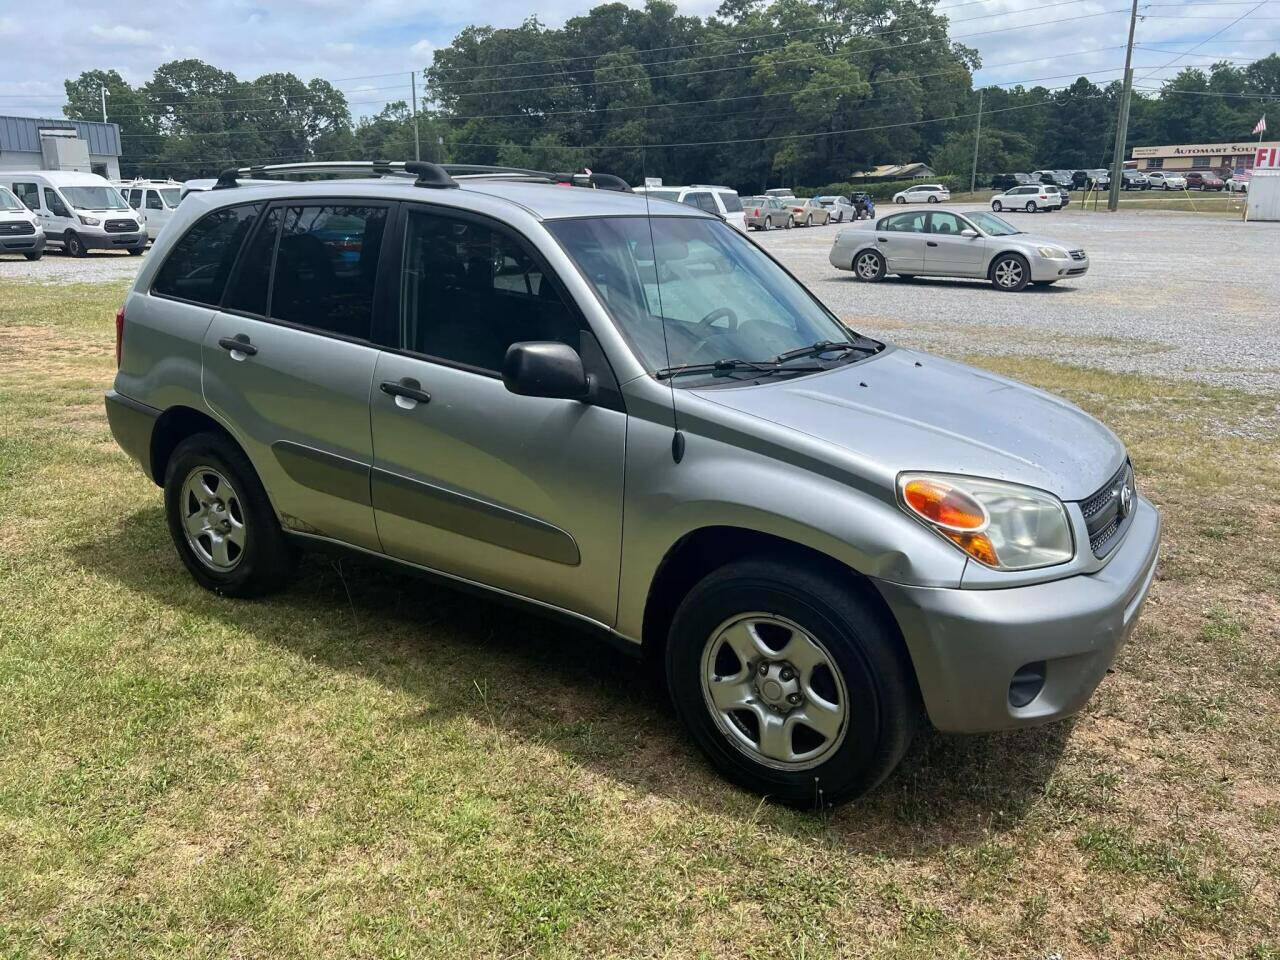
(755, 212)
(119, 334)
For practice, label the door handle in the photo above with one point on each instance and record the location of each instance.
(238, 344)
(930, 243)
(882, 239)
(408, 392)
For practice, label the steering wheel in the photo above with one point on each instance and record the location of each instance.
(704, 325)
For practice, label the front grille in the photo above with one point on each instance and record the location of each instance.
(120, 226)
(20, 228)
(1077, 254)
(1108, 512)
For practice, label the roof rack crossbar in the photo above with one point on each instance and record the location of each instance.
(425, 174)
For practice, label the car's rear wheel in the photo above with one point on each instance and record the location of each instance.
(791, 222)
(74, 246)
(790, 682)
(869, 266)
(221, 520)
(1010, 272)
(997, 206)
(1030, 207)
(933, 199)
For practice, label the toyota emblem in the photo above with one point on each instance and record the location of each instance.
(1126, 500)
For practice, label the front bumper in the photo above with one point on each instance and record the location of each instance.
(1042, 268)
(966, 645)
(22, 242)
(114, 241)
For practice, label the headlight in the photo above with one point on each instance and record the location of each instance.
(89, 221)
(1053, 253)
(1002, 525)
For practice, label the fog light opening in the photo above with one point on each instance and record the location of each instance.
(1027, 683)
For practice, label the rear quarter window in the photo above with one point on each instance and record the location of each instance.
(732, 203)
(197, 267)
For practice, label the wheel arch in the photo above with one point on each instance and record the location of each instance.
(175, 425)
(704, 550)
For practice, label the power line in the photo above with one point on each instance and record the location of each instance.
(1211, 36)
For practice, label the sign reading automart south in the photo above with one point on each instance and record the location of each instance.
(1199, 149)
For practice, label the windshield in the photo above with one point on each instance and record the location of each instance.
(8, 202)
(992, 225)
(722, 297)
(172, 196)
(94, 198)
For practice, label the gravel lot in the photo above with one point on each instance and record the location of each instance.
(1166, 294)
(57, 269)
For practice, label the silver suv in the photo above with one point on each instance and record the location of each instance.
(636, 419)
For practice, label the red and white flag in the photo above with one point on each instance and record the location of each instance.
(1262, 125)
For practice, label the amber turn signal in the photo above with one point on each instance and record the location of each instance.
(947, 507)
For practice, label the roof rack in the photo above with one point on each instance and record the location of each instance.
(427, 174)
(435, 175)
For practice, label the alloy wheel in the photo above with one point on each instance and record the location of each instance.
(774, 691)
(867, 266)
(1008, 273)
(213, 519)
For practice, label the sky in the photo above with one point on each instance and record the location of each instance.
(1049, 42)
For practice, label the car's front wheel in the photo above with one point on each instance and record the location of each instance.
(997, 206)
(869, 266)
(74, 245)
(1010, 272)
(221, 520)
(34, 255)
(791, 682)
(899, 199)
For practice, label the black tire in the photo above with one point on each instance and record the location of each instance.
(861, 266)
(1030, 207)
(933, 199)
(73, 245)
(882, 707)
(791, 222)
(808, 220)
(268, 560)
(996, 206)
(899, 199)
(1019, 273)
(34, 255)
(135, 251)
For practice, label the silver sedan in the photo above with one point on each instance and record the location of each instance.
(941, 243)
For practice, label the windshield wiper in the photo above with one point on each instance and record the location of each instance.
(827, 346)
(726, 366)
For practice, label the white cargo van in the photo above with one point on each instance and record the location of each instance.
(78, 211)
(19, 231)
(155, 201)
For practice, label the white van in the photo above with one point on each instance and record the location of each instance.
(78, 211)
(155, 201)
(19, 230)
(722, 201)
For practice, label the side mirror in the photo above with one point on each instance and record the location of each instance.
(969, 233)
(545, 368)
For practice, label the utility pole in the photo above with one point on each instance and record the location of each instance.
(103, 91)
(977, 136)
(1122, 117)
(413, 88)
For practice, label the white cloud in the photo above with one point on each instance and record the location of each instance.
(120, 34)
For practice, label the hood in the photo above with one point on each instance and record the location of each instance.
(904, 410)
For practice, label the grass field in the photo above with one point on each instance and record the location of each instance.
(367, 766)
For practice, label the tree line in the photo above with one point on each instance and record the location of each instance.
(760, 94)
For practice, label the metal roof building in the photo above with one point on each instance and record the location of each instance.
(37, 143)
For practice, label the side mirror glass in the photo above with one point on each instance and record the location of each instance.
(968, 232)
(545, 369)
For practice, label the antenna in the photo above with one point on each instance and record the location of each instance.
(677, 439)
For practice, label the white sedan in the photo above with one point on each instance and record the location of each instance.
(923, 193)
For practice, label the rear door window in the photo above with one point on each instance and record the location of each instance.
(326, 267)
(199, 264)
